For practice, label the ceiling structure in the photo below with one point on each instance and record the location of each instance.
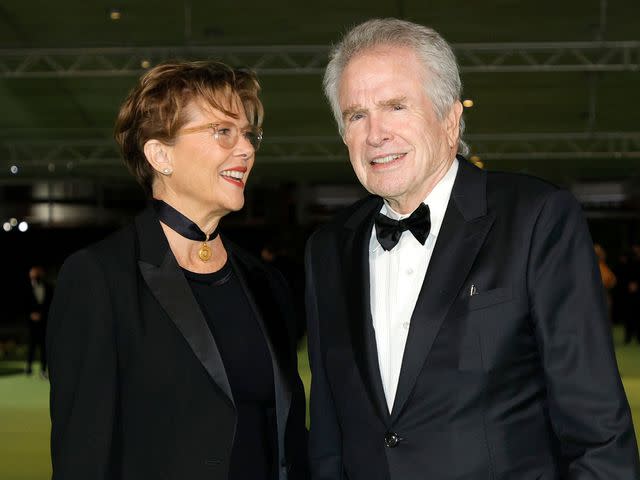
(554, 86)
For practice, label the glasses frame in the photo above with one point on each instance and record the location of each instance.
(215, 126)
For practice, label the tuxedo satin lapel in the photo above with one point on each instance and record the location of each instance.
(256, 288)
(458, 244)
(355, 261)
(169, 286)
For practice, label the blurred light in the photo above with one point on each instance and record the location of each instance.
(69, 165)
(13, 222)
(115, 14)
(475, 159)
(23, 226)
(6, 226)
(145, 64)
(468, 103)
(51, 167)
(13, 169)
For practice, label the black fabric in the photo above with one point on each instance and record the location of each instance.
(515, 381)
(248, 366)
(389, 231)
(179, 222)
(135, 369)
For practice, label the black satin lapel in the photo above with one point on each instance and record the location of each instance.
(457, 246)
(355, 259)
(169, 286)
(256, 287)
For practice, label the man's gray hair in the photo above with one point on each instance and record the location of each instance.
(444, 86)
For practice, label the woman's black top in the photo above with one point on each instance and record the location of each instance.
(247, 362)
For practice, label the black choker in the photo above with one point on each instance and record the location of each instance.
(177, 222)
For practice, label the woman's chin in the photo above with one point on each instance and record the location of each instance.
(234, 206)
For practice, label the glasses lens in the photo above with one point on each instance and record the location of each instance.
(254, 137)
(227, 135)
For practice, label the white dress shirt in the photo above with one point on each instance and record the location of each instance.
(396, 278)
(38, 291)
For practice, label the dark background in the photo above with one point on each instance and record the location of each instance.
(554, 86)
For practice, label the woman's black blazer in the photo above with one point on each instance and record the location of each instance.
(138, 388)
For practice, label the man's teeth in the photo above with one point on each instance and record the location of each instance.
(233, 174)
(387, 159)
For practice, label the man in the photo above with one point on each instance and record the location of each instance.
(631, 299)
(473, 345)
(38, 301)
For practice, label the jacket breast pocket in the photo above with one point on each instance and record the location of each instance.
(490, 298)
(493, 330)
(469, 303)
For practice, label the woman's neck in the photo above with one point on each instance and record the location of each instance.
(207, 221)
(187, 252)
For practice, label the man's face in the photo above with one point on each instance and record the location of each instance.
(397, 146)
(35, 274)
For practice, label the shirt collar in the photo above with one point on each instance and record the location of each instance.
(437, 201)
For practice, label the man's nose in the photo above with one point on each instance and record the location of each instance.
(377, 133)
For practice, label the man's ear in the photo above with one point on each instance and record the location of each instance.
(452, 123)
(157, 154)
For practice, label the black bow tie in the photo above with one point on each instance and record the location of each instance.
(388, 230)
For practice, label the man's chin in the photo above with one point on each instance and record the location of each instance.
(387, 191)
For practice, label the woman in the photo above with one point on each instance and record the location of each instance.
(171, 350)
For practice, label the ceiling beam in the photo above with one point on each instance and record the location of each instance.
(540, 146)
(311, 59)
(62, 157)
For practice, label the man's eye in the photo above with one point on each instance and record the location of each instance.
(224, 131)
(398, 107)
(356, 116)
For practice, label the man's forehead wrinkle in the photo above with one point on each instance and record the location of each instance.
(379, 103)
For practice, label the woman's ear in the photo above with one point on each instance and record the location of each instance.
(157, 155)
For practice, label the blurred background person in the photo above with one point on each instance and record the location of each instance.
(172, 351)
(38, 301)
(632, 286)
(606, 274)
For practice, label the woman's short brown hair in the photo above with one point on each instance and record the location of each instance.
(155, 108)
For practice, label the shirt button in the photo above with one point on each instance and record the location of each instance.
(409, 271)
(405, 325)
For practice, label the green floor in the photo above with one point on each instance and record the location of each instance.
(24, 424)
(629, 365)
(24, 417)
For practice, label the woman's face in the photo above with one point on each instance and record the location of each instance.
(209, 176)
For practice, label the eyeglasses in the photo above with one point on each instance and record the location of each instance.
(228, 134)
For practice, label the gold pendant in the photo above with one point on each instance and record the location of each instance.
(204, 253)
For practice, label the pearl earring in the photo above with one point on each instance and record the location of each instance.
(167, 171)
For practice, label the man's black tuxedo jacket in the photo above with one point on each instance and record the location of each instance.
(518, 381)
(138, 388)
